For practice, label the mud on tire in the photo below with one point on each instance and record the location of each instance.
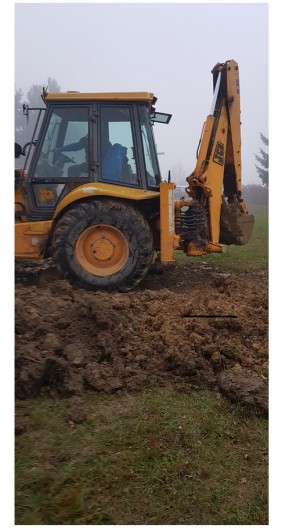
(103, 244)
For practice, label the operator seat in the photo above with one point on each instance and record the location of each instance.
(113, 162)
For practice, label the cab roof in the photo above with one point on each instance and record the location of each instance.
(144, 97)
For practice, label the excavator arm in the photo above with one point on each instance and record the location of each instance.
(216, 182)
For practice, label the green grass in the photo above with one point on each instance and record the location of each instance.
(153, 458)
(253, 255)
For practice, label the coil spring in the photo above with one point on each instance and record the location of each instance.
(191, 224)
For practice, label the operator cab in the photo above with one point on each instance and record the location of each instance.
(103, 138)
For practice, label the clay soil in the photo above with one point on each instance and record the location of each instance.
(189, 326)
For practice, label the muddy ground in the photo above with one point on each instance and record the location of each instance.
(188, 326)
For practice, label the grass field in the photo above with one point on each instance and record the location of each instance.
(253, 255)
(155, 458)
(159, 457)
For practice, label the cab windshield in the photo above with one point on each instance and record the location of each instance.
(64, 150)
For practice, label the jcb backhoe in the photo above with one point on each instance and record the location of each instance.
(92, 197)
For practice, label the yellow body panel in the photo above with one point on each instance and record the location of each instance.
(104, 189)
(31, 239)
(168, 239)
(194, 251)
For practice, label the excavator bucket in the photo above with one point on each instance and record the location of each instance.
(236, 223)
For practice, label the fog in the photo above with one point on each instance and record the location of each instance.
(168, 49)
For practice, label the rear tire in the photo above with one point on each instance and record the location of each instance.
(103, 244)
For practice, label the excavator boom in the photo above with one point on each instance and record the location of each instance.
(217, 178)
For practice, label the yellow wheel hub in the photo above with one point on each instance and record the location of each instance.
(102, 250)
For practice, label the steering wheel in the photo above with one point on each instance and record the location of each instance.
(65, 158)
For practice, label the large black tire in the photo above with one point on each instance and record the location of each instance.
(103, 244)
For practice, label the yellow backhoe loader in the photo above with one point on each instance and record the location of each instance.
(90, 194)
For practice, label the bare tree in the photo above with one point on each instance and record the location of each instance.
(24, 126)
(19, 117)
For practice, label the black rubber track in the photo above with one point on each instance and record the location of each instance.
(120, 215)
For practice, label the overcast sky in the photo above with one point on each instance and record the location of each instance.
(168, 49)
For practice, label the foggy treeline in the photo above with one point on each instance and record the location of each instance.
(256, 194)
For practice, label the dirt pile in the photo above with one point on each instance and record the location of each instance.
(187, 326)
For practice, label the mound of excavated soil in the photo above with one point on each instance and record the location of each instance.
(189, 326)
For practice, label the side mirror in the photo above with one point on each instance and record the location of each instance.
(18, 150)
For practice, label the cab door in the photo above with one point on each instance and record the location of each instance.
(119, 157)
(127, 149)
